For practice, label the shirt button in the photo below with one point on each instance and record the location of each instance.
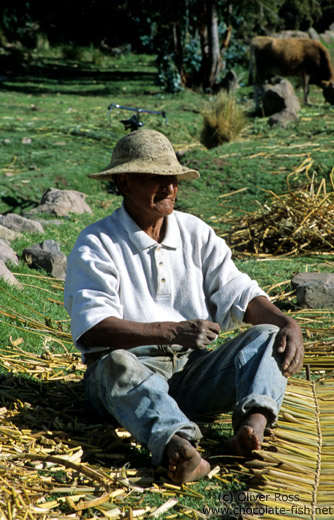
(163, 280)
(161, 263)
(159, 249)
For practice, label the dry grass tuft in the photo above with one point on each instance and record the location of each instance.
(223, 120)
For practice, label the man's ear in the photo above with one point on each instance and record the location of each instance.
(123, 183)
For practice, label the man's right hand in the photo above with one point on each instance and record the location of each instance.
(114, 333)
(196, 334)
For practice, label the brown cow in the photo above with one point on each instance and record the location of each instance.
(302, 57)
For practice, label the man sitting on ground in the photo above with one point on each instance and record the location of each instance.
(148, 289)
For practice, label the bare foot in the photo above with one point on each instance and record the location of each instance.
(248, 437)
(185, 463)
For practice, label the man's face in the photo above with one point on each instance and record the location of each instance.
(149, 195)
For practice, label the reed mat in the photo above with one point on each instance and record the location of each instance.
(56, 461)
(292, 476)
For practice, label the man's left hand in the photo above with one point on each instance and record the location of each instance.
(289, 341)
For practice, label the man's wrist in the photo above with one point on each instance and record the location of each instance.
(166, 332)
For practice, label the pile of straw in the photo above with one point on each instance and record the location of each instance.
(298, 222)
(58, 462)
(55, 462)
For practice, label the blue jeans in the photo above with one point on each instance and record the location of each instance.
(156, 391)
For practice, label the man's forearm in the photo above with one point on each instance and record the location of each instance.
(117, 333)
(261, 310)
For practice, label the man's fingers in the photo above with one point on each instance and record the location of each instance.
(289, 342)
(280, 342)
(210, 327)
(293, 360)
(196, 334)
(296, 363)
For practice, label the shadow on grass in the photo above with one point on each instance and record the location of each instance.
(53, 413)
(46, 78)
(18, 202)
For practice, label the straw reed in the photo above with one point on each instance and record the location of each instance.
(295, 223)
(58, 461)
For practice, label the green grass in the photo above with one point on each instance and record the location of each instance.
(54, 131)
(61, 106)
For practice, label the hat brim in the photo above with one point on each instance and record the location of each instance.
(180, 171)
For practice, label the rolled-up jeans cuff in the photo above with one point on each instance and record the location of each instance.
(243, 407)
(158, 442)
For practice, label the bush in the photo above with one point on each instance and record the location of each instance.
(168, 75)
(72, 52)
(223, 120)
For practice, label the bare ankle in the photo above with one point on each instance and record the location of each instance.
(257, 418)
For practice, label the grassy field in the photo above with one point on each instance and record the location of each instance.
(55, 131)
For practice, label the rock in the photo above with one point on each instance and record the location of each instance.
(228, 83)
(50, 221)
(314, 290)
(8, 276)
(7, 254)
(8, 234)
(313, 34)
(282, 118)
(18, 223)
(327, 37)
(290, 34)
(61, 203)
(280, 96)
(48, 256)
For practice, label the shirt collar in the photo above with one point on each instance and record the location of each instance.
(142, 240)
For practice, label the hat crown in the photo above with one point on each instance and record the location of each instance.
(145, 152)
(145, 146)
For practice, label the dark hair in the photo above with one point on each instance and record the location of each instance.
(114, 187)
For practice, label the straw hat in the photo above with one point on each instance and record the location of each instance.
(145, 151)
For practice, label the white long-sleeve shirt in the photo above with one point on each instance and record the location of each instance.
(116, 269)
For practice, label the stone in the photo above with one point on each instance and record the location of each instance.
(228, 83)
(7, 254)
(282, 118)
(313, 34)
(6, 274)
(327, 37)
(314, 290)
(289, 33)
(61, 203)
(50, 221)
(19, 223)
(48, 256)
(280, 96)
(8, 234)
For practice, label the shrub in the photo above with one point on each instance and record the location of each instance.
(72, 52)
(168, 75)
(223, 120)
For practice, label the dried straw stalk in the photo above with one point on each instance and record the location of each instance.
(298, 222)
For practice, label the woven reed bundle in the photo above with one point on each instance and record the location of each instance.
(296, 475)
